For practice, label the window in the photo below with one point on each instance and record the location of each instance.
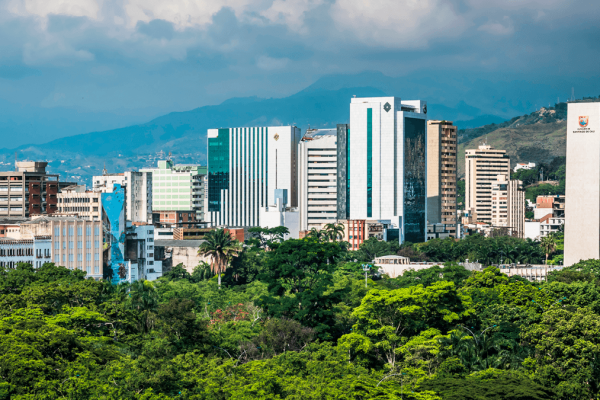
(96, 257)
(70, 257)
(56, 231)
(88, 257)
(57, 245)
(97, 230)
(88, 244)
(96, 269)
(64, 244)
(64, 231)
(80, 244)
(79, 231)
(150, 247)
(96, 244)
(56, 259)
(150, 262)
(151, 239)
(88, 230)
(64, 258)
(70, 231)
(70, 245)
(80, 258)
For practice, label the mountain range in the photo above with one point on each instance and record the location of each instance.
(321, 105)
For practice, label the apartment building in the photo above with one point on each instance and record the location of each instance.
(245, 167)
(35, 251)
(441, 175)
(482, 167)
(29, 190)
(178, 187)
(386, 158)
(138, 188)
(317, 161)
(76, 200)
(508, 205)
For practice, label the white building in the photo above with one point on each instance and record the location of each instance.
(140, 259)
(508, 205)
(178, 187)
(35, 251)
(138, 192)
(532, 230)
(387, 161)
(550, 225)
(582, 197)
(280, 215)
(317, 161)
(77, 201)
(519, 166)
(245, 166)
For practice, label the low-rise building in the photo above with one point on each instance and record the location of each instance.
(527, 166)
(77, 201)
(141, 260)
(35, 251)
(174, 252)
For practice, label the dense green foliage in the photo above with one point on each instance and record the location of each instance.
(555, 170)
(294, 320)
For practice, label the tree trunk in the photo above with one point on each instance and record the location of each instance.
(219, 278)
(546, 258)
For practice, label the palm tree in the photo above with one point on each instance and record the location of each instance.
(548, 244)
(144, 299)
(334, 231)
(317, 234)
(221, 249)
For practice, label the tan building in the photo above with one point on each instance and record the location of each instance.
(508, 205)
(441, 174)
(29, 190)
(75, 200)
(482, 167)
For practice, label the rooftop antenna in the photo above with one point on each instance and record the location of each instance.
(104, 171)
(354, 95)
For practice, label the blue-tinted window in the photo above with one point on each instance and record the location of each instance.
(415, 173)
(369, 162)
(218, 168)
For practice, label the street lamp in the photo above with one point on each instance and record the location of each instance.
(366, 268)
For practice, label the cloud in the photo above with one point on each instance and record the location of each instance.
(270, 64)
(496, 28)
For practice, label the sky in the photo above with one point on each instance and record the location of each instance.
(84, 65)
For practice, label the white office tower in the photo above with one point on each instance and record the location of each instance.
(317, 161)
(387, 164)
(245, 167)
(138, 192)
(582, 197)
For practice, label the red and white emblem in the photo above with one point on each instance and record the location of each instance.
(583, 121)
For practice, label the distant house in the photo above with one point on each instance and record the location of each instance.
(519, 166)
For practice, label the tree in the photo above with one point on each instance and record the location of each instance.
(177, 272)
(334, 231)
(548, 244)
(221, 249)
(144, 299)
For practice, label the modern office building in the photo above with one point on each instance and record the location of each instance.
(482, 167)
(178, 187)
(386, 162)
(245, 167)
(77, 201)
(441, 175)
(29, 190)
(508, 205)
(138, 192)
(317, 170)
(582, 197)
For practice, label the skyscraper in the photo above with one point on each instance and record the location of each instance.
(582, 200)
(482, 167)
(387, 158)
(318, 178)
(441, 174)
(245, 167)
(508, 205)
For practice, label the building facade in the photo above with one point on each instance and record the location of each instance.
(178, 187)
(75, 200)
(317, 169)
(245, 166)
(280, 215)
(441, 175)
(138, 192)
(29, 190)
(508, 205)
(387, 158)
(482, 167)
(582, 197)
(35, 251)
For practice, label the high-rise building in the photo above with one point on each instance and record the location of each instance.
(482, 167)
(138, 192)
(582, 197)
(508, 205)
(441, 174)
(29, 190)
(387, 164)
(77, 201)
(245, 167)
(317, 170)
(178, 187)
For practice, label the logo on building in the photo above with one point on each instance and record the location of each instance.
(583, 121)
(276, 137)
(387, 107)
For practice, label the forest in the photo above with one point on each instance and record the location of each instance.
(295, 319)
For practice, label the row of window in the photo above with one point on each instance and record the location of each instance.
(71, 257)
(16, 252)
(88, 244)
(71, 230)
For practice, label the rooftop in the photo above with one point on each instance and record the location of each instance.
(178, 243)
